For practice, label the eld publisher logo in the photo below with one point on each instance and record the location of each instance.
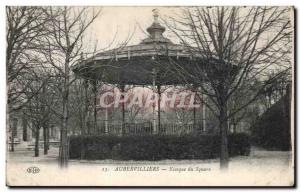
(33, 170)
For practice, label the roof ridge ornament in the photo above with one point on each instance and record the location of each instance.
(155, 15)
(156, 31)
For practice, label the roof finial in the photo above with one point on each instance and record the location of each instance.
(155, 15)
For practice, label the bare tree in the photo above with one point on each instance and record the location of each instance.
(65, 44)
(231, 47)
(24, 26)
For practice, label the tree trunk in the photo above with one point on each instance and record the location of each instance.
(13, 134)
(224, 157)
(203, 114)
(63, 156)
(48, 137)
(24, 121)
(82, 128)
(85, 120)
(63, 150)
(37, 138)
(234, 127)
(45, 137)
(12, 146)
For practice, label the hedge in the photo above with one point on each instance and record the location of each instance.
(155, 147)
(272, 130)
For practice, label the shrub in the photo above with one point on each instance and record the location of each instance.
(239, 144)
(272, 130)
(155, 147)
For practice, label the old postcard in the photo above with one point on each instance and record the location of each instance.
(150, 96)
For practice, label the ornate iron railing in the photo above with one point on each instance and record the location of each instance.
(143, 128)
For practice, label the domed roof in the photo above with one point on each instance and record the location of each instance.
(154, 44)
(135, 64)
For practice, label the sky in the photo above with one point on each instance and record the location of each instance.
(117, 24)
